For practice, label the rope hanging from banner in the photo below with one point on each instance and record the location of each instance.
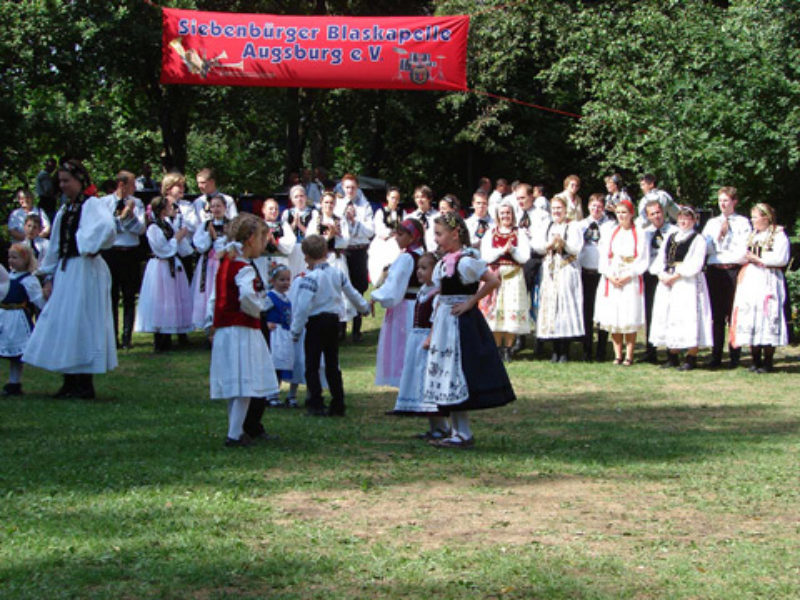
(528, 104)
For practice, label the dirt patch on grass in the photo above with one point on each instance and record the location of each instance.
(603, 516)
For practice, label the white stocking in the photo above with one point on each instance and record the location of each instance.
(237, 411)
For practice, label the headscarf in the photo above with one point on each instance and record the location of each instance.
(413, 228)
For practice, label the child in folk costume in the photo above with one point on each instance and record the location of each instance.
(209, 239)
(619, 306)
(506, 249)
(758, 319)
(241, 365)
(383, 248)
(281, 346)
(317, 309)
(681, 308)
(33, 231)
(298, 217)
(560, 315)
(464, 371)
(410, 397)
(21, 295)
(165, 300)
(397, 295)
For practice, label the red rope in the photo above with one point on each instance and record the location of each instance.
(529, 104)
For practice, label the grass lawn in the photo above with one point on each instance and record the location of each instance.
(599, 482)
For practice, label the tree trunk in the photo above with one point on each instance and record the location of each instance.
(294, 150)
(174, 121)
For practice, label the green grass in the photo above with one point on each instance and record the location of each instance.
(599, 482)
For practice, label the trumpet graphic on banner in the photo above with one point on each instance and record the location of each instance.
(201, 65)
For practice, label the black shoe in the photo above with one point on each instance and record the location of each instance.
(335, 412)
(84, 387)
(316, 411)
(67, 389)
(243, 441)
(672, 361)
(519, 344)
(12, 389)
(263, 436)
(651, 356)
(554, 358)
(689, 364)
(357, 337)
(714, 363)
(563, 358)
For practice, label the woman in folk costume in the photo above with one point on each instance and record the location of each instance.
(298, 217)
(209, 239)
(758, 319)
(464, 371)
(681, 308)
(560, 316)
(335, 230)
(397, 295)
(619, 306)
(280, 237)
(506, 248)
(383, 248)
(165, 300)
(74, 335)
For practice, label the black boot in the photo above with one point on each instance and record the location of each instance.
(736, 356)
(357, 337)
(602, 345)
(12, 389)
(556, 351)
(755, 354)
(67, 389)
(563, 354)
(651, 355)
(689, 364)
(252, 422)
(84, 386)
(672, 361)
(769, 353)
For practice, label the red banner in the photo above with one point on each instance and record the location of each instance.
(420, 53)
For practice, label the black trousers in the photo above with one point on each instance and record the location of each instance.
(721, 289)
(590, 281)
(123, 262)
(322, 338)
(650, 285)
(359, 277)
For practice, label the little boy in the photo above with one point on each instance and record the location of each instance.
(33, 228)
(317, 308)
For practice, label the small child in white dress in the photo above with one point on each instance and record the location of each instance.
(21, 294)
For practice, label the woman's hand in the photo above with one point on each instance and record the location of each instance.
(460, 309)
(427, 343)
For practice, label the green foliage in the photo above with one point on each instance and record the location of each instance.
(703, 96)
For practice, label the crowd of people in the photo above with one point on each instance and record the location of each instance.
(275, 292)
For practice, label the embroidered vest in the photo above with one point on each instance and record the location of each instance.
(227, 310)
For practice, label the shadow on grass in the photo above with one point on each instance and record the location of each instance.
(114, 446)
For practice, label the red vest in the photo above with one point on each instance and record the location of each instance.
(227, 311)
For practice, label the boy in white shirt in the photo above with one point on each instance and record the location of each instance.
(317, 309)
